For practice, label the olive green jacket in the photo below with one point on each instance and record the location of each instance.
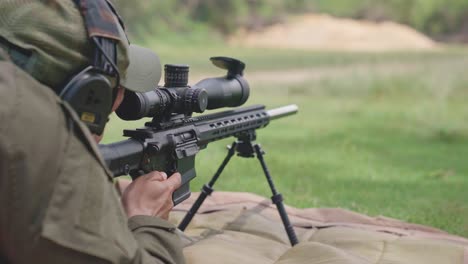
(57, 200)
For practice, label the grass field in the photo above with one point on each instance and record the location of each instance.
(380, 134)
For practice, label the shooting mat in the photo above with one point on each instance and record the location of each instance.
(246, 228)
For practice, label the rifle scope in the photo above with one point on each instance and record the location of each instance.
(176, 97)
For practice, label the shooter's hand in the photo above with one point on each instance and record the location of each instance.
(151, 194)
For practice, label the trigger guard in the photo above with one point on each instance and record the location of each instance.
(137, 173)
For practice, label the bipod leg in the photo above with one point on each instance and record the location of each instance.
(277, 198)
(207, 189)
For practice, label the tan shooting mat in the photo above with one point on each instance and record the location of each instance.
(246, 228)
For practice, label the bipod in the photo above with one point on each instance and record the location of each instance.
(245, 147)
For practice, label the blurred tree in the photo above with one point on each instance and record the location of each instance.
(225, 15)
(438, 18)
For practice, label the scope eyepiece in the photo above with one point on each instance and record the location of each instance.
(162, 102)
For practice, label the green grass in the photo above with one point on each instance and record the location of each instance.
(380, 134)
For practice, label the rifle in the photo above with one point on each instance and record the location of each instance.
(174, 148)
(174, 137)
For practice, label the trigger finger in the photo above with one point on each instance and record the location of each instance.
(175, 180)
(157, 176)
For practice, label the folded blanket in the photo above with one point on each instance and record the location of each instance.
(246, 228)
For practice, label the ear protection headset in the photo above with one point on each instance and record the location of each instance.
(90, 92)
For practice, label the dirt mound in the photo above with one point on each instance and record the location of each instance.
(324, 32)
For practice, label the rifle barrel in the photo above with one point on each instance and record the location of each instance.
(282, 111)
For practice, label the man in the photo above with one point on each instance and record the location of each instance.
(58, 203)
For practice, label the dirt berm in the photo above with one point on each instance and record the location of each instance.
(324, 32)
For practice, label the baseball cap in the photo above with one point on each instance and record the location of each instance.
(144, 70)
(52, 40)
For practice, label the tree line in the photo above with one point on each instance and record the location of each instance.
(440, 19)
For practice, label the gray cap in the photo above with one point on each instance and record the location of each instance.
(144, 71)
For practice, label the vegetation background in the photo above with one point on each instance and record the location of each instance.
(377, 133)
(440, 19)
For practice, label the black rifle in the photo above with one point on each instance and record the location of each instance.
(172, 139)
(174, 148)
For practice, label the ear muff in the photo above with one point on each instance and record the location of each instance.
(91, 95)
(90, 92)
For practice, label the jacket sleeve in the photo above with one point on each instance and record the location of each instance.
(58, 200)
(158, 239)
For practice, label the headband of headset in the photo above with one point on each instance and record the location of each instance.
(99, 16)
